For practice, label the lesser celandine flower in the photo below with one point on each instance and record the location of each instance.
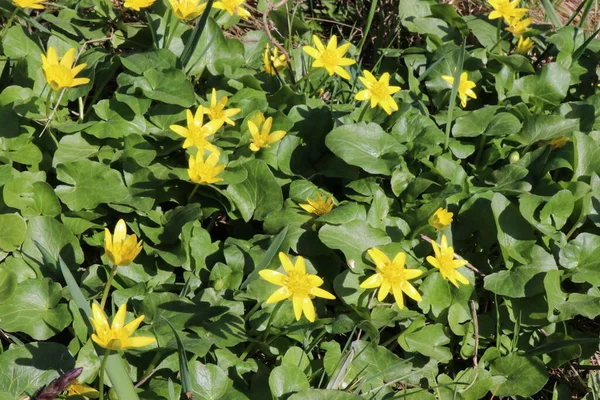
(378, 91)
(120, 248)
(275, 62)
(137, 5)
(465, 87)
(233, 7)
(556, 143)
(260, 129)
(217, 111)
(118, 335)
(392, 276)
(203, 171)
(297, 285)
(506, 9)
(441, 218)
(445, 262)
(331, 57)
(187, 10)
(519, 26)
(77, 389)
(62, 74)
(319, 206)
(197, 131)
(524, 45)
(35, 4)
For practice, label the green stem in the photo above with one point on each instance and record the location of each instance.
(9, 22)
(149, 21)
(498, 34)
(252, 311)
(113, 272)
(101, 376)
(320, 84)
(363, 112)
(168, 28)
(193, 193)
(480, 150)
(265, 334)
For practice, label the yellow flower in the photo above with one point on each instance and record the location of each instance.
(465, 87)
(138, 4)
(445, 262)
(379, 92)
(217, 111)
(120, 248)
(205, 172)
(297, 284)
(232, 7)
(519, 26)
(75, 389)
(319, 206)
(506, 9)
(62, 75)
(330, 58)
(392, 275)
(260, 129)
(36, 4)
(556, 143)
(273, 62)
(117, 336)
(441, 218)
(524, 45)
(196, 132)
(187, 9)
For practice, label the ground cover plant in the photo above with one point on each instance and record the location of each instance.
(304, 200)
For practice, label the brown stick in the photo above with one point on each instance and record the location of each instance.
(456, 256)
(476, 350)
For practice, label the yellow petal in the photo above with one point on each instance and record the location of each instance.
(52, 57)
(412, 273)
(410, 291)
(373, 281)
(286, 262)
(298, 303)
(68, 58)
(274, 277)
(397, 291)
(280, 294)
(400, 259)
(363, 95)
(378, 257)
(119, 318)
(276, 136)
(309, 309)
(318, 292)
(311, 51)
(342, 72)
(136, 342)
(300, 265)
(120, 232)
(384, 290)
(318, 44)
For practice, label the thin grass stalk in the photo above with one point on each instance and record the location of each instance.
(453, 93)
(191, 44)
(368, 26)
(551, 14)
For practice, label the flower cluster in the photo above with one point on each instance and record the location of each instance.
(518, 24)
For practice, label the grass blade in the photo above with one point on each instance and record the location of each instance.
(551, 14)
(577, 53)
(555, 346)
(186, 379)
(454, 92)
(191, 44)
(269, 254)
(114, 366)
(368, 26)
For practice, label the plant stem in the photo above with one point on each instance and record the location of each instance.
(498, 35)
(101, 374)
(265, 333)
(193, 193)
(113, 272)
(363, 112)
(149, 21)
(9, 22)
(320, 85)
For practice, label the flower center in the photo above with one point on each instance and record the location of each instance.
(59, 76)
(379, 89)
(330, 58)
(216, 112)
(298, 283)
(394, 273)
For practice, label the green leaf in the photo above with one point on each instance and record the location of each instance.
(31, 198)
(259, 195)
(12, 233)
(8, 284)
(547, 88)
(582, 256)
(39, 316)
(544, 127)
(522, 375)
(287, 379)
(158, 59)
(587, 161)
(89, 184)
(428, 340)
(515, 236)
(366, 146)
(171, 87)
(23, 369)
(211, 382)
(323, 394)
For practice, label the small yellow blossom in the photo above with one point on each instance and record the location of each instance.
(379, 92)
(297, 284)
(556, 143)
(62, 74)
(76, 389)
(217, 111)
(392, 275)
(35, 4)
(138, 4)
(120, 248)
(118, 335)
(524, 45)
(187, 10)
(204, 172)
(197, 131)
(465, 87)
(519, 26)
(233, 7)
(331, 57)
(260, 129)
(506, 9)
(445, 262)
(319, 206)
(441, 218)
(275, 62)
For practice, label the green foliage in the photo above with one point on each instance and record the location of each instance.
(518, 167)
